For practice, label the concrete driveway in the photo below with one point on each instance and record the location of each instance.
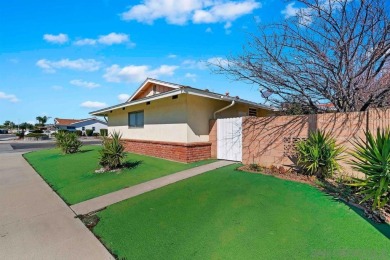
(34, 222)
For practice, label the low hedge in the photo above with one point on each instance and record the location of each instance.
(36, 135)
(89, 132)
(103, 132)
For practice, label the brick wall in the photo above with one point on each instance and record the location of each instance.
(182, 152)
(270, 140)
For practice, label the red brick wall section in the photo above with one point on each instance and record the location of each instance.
(182, 152)
(213, 137)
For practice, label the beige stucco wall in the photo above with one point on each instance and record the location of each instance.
(164, 120)
(185, 119)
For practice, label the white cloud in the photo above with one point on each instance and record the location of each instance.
(257, 19)
(191, 76)
(58, 39)
(123, 97)
(133, 73)
(79, 64)
(203, 64)
(290, 10)
(85, 84)
(113, 38)
(218, 61)
(193, 64)
(108, 39)
(306, 14)
(10, 97)
(85, 41)
(227, 27)
(209, 30)
(197, 11)
(93, 104)
(172, 56)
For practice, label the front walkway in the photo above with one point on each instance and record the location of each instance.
(34, 222)
(117, 196)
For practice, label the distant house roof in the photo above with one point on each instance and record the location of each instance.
(177, 89)
(65, 121)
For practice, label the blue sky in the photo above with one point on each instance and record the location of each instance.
(67, 58)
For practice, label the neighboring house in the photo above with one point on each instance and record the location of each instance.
(80, 124)
(173, 121)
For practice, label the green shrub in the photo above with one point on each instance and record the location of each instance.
(89, 132)
(68, 142)
(20, 135)
(95, 134)
(62, 131)
(254, 167)
(78, 132)
(319, 155)
(372, 157)
(36, 135)
(103, 132)
(112, 153)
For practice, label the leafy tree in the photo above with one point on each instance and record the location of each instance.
(9, 124)
(42, 120)
(25, 126)
(335, 51)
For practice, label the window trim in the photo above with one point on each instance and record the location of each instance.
(135, 112)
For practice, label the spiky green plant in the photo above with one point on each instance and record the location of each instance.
(372, 158)
(68, 142)
(319, 154)
(112, 153)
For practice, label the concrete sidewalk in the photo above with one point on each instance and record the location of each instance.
(34, 222)
(117, 196)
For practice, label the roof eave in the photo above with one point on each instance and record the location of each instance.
(187, 90)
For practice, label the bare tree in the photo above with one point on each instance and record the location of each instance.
(335, 51)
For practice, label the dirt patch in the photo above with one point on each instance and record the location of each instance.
(90, 221)
(281, 173)
(337, 187)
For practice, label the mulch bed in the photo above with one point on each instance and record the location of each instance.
(337, 189)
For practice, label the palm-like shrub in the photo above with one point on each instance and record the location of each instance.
(112, 153)
(319, 154)
(68, 142)
(372, 158)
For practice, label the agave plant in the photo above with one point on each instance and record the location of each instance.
(68, 142)
(372, 158)
(319, 154)
(112, 153)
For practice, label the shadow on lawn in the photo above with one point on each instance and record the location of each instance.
(131, 164)
(85, 151)
(381, 227)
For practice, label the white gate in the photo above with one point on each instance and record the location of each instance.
(229, 139)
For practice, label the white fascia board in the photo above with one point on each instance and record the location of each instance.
(158, 82)
(138, 101)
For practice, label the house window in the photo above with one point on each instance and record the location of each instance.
(252, 112)
(136, 119)
(70, 127)
(83, 128)
(93, 128)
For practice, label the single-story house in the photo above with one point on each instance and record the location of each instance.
(172, 121)
(93, 124)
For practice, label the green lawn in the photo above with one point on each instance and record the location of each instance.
(72, 176)
(227, 214)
